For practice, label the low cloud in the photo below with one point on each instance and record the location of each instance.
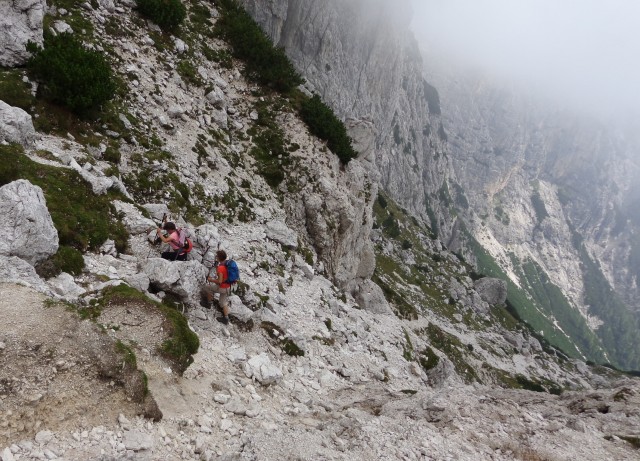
(583, 53)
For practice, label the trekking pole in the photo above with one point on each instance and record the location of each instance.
(157, 240)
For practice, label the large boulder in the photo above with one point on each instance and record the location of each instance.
(370, 297)
(492, 291)
(279, 232)
(16, 125)
(262, 370)
(181, 278)
(16, 270)
(20, 23)
(26, 226)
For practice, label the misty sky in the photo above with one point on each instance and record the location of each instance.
(582, 52)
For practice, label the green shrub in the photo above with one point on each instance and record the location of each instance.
(323, 123)
(264, 63)
(70, 74)
(66, 259)
(168, 14)
(112, 155)
(69, 260)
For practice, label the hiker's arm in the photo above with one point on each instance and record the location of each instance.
(217, 280)
(165, 239)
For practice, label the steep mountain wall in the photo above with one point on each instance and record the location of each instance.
(362, 59)
(549, 186)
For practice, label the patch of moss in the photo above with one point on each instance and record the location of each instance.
(287, 345)
(14, 91)
(428, 359)
(633, 440)
(408, 391)
(67, 259)
(182, 342)
(127, 353)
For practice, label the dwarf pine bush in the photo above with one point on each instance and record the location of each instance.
(70, 74)
(168, 14)
(264, 63)
(323, 123)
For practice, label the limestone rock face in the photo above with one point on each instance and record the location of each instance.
(20, 23)
(26, 226)
(279, 232)
(491, 290)
(338, 220)
(16, 125)
(362, 58)
(370, 297)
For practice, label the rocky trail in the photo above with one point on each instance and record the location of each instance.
(318, 361)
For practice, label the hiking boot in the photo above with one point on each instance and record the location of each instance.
(223, 320)
(205, 303)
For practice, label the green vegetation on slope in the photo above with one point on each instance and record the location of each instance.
(269, 66)
(83, 219)
(620, 333)
(182, 343)
(526, 307)
(264, 63)
(539, 302)
(324, 124)
(168, 14)
(550, 298)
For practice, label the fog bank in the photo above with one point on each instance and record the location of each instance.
(582, 53)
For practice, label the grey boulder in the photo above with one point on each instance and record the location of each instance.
(27, 228)
(20, 23)
(16, 125)
(491, 290)
(182, 278)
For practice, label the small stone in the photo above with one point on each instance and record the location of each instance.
(221, 398)
(137, 440)
(123, 421)
(7, 455)
(44, 437)
(236, 407)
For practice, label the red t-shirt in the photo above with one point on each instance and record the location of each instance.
(222, 269)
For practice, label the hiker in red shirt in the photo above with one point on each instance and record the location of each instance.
(219, 285)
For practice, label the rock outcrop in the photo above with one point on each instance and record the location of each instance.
(20, 23)
(491, 290)
(16, 125)
(26, 227)
(182, 278)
